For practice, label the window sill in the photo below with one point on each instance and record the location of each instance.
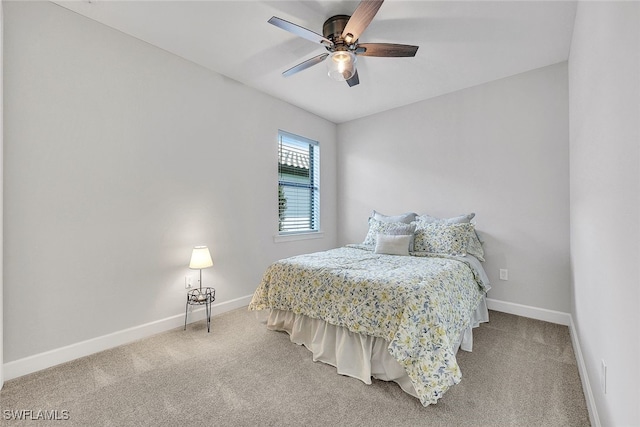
(298, 236)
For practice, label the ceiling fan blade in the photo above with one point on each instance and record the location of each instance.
(386, 49)
(354, 80)
(306, 64)
(300, 31)
(360, 20)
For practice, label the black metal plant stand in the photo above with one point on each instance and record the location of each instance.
(200, 296)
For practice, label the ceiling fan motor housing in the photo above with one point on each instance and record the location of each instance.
(332, 29)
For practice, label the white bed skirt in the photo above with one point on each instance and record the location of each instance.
(355, 355)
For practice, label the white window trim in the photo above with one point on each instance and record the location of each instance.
(293, 237)
(306, 234)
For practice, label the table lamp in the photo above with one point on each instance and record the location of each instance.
(200, 258)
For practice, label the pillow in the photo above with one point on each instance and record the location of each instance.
(475, 241)
(409, 230)
(406, 218)
(442, 238)
(392, 244)
(394, 228)
(474, 247)
(455, 220)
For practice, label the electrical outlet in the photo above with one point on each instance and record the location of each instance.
(188, 282)
(603, 377)
(504, 274)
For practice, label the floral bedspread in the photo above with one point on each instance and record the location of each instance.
(419, 304)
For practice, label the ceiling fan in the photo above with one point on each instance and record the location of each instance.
(340, 38)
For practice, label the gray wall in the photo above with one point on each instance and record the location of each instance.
(119, 158)
(604, 83)
(500, 150)
(1, 191)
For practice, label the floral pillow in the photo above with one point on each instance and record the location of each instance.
(474, 246)
(441, 238)
(392, 228)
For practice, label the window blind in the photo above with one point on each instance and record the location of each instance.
(298, 184)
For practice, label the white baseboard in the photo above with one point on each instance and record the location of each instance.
(584, 377)
(37, 362)
(562, 319)
(551, 316)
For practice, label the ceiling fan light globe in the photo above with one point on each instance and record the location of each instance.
(341, 65)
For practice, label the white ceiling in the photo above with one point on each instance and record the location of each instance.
(462, 44)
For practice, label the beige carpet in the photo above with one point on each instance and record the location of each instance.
(522, 372)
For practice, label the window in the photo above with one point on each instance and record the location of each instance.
(298, 184)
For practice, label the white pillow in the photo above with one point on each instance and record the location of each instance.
(392, 244)
(455, 220)
(406, 218)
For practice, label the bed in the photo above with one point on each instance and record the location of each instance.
(372, 312)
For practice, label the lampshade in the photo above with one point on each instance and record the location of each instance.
(200, 258)
(341, 65)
